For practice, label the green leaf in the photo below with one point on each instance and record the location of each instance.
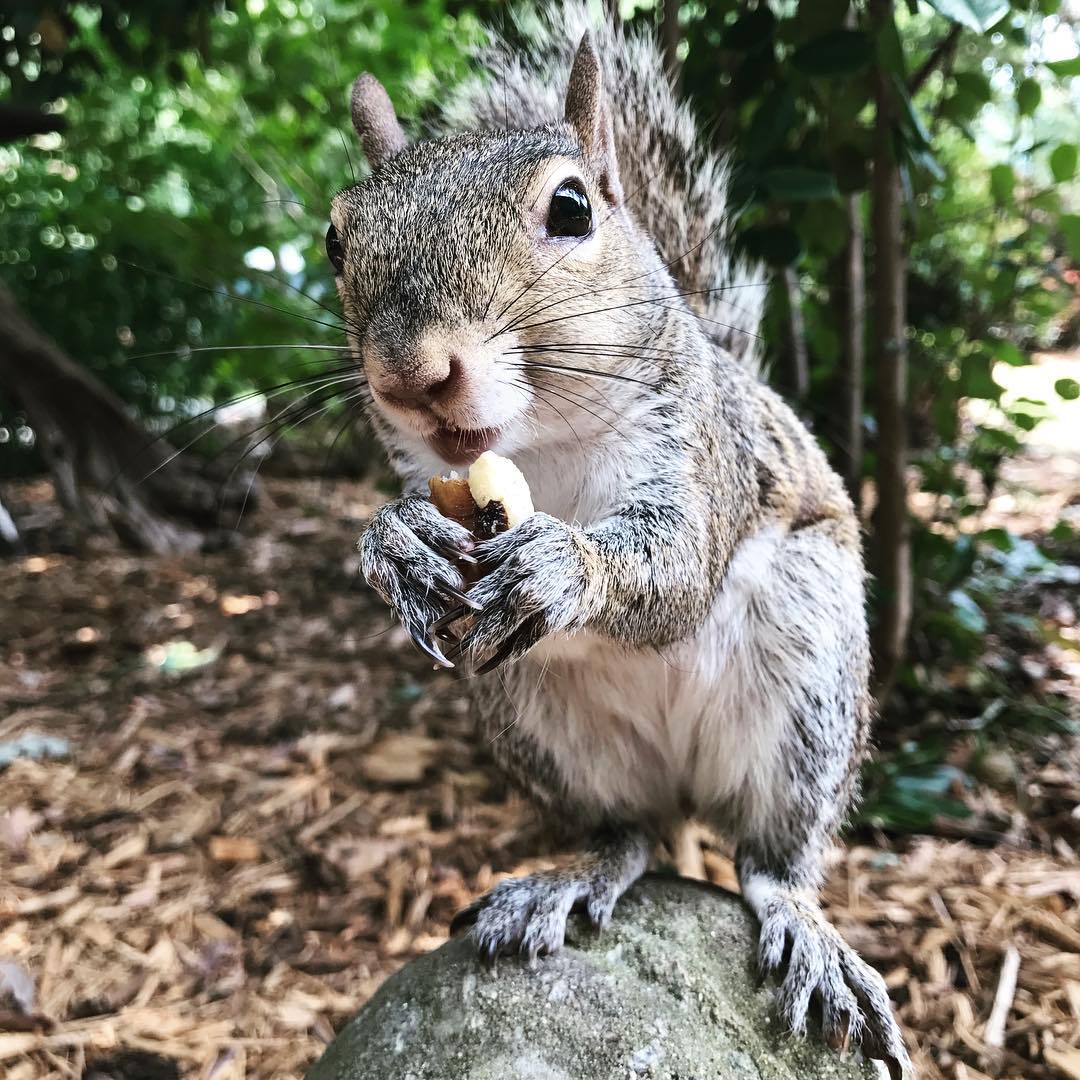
(1063, 161)
(967, 612)
(772, 121)
(799, 184)
(1065, 68)
(838, 53)
(750, 32)
(977, 15)
(1002, 183)
(889, 50)
(1028, 96)
(1006, 351)
(976, 379)
(812, 20)
(824, 229)
(1067, 389)
(1070, 226)
(976, 84)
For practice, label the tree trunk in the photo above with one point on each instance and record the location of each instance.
(670, 37)
(849, 277)
(891, 552)
(798, 361)
(108, 473)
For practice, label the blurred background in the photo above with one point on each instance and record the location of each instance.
(233, 798)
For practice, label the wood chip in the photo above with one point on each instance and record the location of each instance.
(234, 849)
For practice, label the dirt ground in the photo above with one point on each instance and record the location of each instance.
(263, 801)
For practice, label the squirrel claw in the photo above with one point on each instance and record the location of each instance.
(812, 959)
(500, 656)
(838, 1037)
(466, 917)
(458, 555)
(518, 643)
(489, 953)
(431, 650)
(444, 621)
(460, 597)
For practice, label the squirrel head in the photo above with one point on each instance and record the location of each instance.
(475, 270)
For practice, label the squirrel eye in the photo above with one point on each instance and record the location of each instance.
(570, 213)
(334, 251)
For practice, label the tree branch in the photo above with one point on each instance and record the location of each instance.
(942, 54)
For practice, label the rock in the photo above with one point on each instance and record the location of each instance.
(667, 992)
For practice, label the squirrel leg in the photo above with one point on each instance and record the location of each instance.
(816, 963)
(805, 660)
(528, 914)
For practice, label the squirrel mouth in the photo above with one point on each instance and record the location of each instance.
(460, 446)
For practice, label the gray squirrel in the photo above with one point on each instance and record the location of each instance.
(679, 632)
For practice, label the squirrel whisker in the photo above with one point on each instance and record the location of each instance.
(616, 347)
(285, 419)
(544, 370)
(277, 436)
(595, 348)
(565, 394)
(310, 299)
(637, 277)
(638, 303)
(232, 296)
(588, 372)
(551, 405)
(322, 381)
(185, 350)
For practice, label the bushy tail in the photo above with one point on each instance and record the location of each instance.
(675, 185)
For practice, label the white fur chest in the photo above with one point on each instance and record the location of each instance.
(662, 734)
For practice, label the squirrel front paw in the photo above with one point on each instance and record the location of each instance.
(539, 585)
(406, 556)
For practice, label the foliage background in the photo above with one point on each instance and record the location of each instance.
(177, 221)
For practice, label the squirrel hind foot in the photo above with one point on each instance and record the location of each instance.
(813, 962)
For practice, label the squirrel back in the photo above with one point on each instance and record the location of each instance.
(674, 183)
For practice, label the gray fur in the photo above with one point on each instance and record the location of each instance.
(680, 626)
(674, 183)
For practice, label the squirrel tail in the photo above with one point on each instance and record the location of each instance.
(675, 184)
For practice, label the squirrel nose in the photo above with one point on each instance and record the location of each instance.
(427, 385)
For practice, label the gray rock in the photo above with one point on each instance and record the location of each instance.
(667, 992)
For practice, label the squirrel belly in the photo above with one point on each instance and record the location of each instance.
(703, 728)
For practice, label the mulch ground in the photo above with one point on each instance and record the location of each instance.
(267, 802)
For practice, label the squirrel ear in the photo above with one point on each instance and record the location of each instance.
(375, 122)
(588, 114)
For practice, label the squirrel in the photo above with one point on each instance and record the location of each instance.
(680, 630)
